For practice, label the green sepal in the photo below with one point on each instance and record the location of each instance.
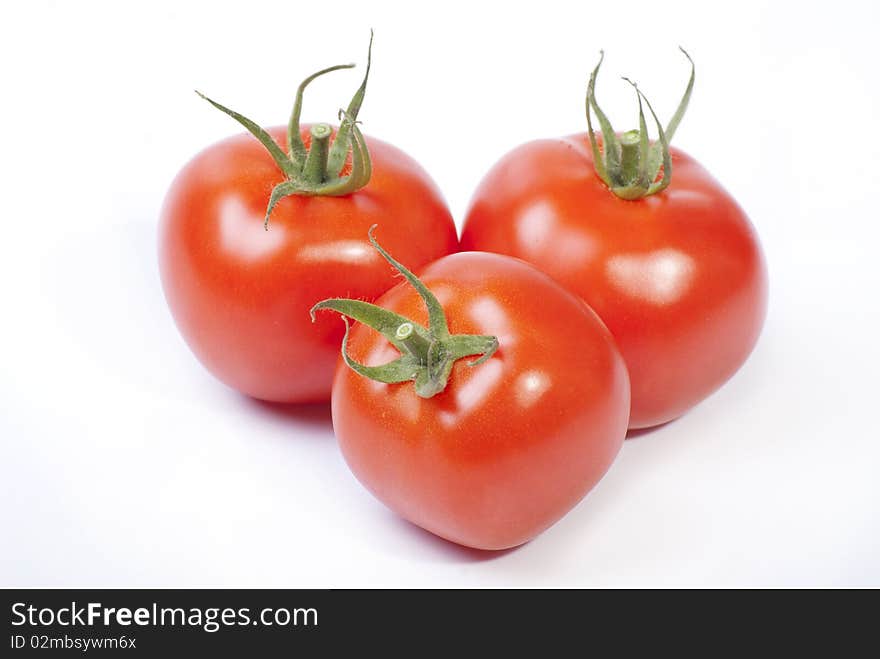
(283, 189)
(295, 145)
(672, 126)
(342, 142)
(610, 146)
(277, 153)
(664, 150)
(630, 168)
(436, 317)
(427, 355)
(465, 345)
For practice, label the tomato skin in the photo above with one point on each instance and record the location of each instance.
(241, 295)
(678, 277)
(511, 444)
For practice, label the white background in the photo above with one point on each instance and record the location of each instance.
(124, 463)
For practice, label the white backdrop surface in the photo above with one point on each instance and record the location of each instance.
(123, 462)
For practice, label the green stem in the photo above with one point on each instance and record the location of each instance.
(315, 168)
(629, 155)
(417, 345)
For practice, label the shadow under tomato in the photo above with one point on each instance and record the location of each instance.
(447, 549)
(311, 415)
(636, 433)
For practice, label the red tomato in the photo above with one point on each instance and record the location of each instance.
(241, 295)
(678, 277)
(511, 444)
